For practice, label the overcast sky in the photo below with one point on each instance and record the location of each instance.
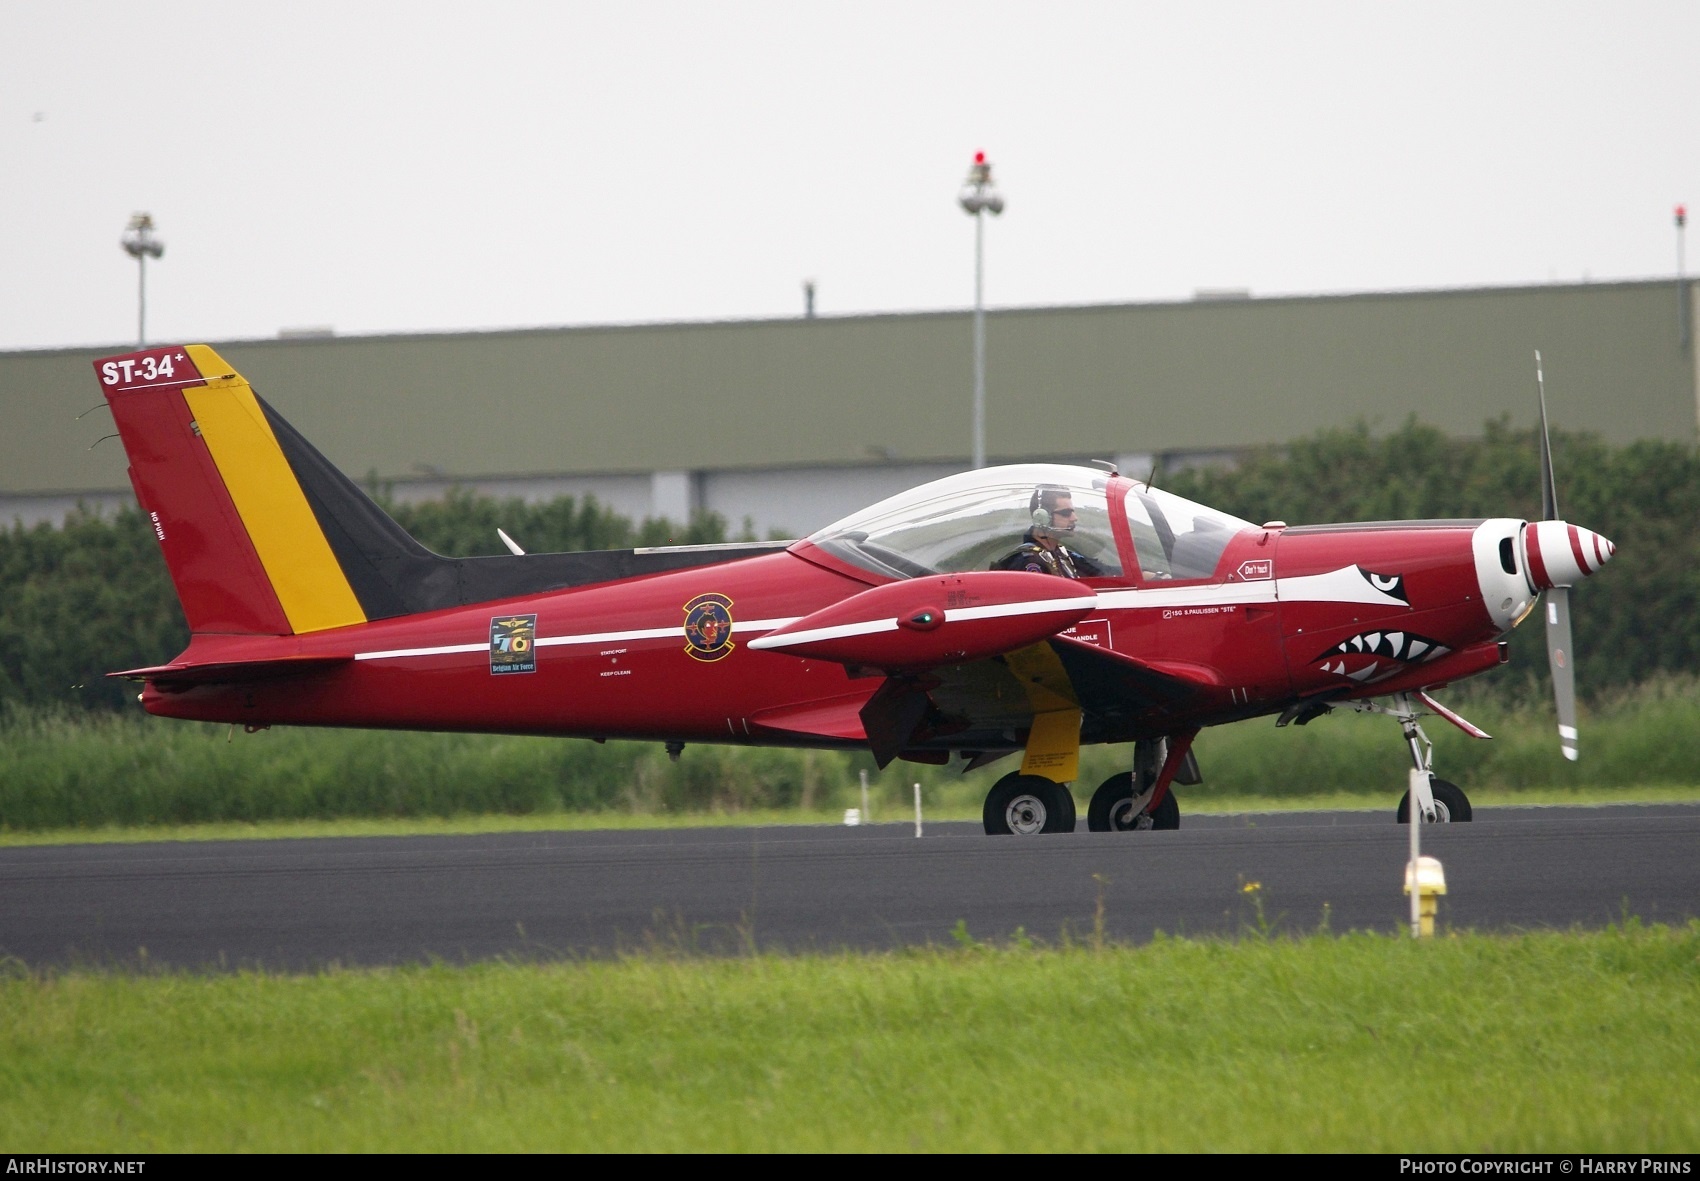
(429, 166)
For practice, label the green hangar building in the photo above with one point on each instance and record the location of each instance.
(792, 423)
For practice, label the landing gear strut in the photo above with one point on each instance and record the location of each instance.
(1157, 763)
(1438, 802)
(1113, 808)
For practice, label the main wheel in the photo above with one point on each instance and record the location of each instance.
(1065, 807)
(1451, 805)
(1026, 805)
(1111, 809)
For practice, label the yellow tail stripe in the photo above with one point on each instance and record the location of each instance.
(304, 573)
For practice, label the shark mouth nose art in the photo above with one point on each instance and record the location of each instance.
(1378, 654)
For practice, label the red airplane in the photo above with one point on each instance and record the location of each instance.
(930, 625)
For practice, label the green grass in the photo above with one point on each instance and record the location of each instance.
(1531, 1043)
(98, 771)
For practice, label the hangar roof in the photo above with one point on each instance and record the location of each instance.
(1205, 375)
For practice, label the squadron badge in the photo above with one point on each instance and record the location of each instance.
(513, 644)
(708, 627)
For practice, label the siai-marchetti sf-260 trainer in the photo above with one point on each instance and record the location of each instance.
(1012, 610)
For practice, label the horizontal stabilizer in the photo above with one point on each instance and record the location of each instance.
(229, 672)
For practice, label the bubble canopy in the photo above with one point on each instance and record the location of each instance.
(971, 521)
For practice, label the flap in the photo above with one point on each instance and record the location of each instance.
(836, 717)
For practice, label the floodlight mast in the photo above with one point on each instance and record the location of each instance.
(140, 244)
(1683, 315)
(979, 196)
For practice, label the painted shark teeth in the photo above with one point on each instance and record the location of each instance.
(1389, 645)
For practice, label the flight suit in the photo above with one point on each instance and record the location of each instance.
(1062, 561)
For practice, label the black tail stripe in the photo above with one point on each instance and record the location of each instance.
(392, 574)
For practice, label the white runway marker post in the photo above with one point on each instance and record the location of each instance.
(917, 809)
(866, 815)
(1414, 813)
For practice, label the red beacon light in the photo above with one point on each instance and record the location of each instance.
(980, 158)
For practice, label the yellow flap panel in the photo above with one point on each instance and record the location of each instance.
(1043, 677)
(304, 572)
(1053, 746)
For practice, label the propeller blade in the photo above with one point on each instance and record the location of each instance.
(1561, 659)
(1549, 487)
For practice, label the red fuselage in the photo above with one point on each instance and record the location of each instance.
(1337, 611)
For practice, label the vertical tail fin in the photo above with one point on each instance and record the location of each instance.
(264, 536)
(245, 549)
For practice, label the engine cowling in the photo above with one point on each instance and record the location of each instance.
(925, 622)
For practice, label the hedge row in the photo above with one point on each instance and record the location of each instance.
(82, 769)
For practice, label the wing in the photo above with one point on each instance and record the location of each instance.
(988, 705)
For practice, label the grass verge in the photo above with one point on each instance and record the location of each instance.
(1549, 1042)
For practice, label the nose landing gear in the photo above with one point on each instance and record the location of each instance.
(1438, 801)
(1450, 804)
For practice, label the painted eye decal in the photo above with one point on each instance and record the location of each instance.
(1387, 584)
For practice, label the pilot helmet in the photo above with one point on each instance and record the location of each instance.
(1042, 506)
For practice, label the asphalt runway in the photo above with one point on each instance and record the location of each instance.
(305, 904)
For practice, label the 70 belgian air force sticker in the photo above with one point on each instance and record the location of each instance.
(708, 627)
(513, 644)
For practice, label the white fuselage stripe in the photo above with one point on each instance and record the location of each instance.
(1347, 585)
(648, 633)
(764, 625)
(1035, 607)
(1216, 594)
(836, 632)
(955, 615)
(442, 650)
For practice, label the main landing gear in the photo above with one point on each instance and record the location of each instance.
(1114, 809)
(1027, 805)
(1117, 807)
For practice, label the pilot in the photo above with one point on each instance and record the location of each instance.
(1042, 550)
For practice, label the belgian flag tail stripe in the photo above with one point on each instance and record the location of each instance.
(305, 574)
(246, 552)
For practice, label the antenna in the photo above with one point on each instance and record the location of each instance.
(513, 546)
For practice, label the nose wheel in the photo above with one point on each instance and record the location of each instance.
(1451, 805)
